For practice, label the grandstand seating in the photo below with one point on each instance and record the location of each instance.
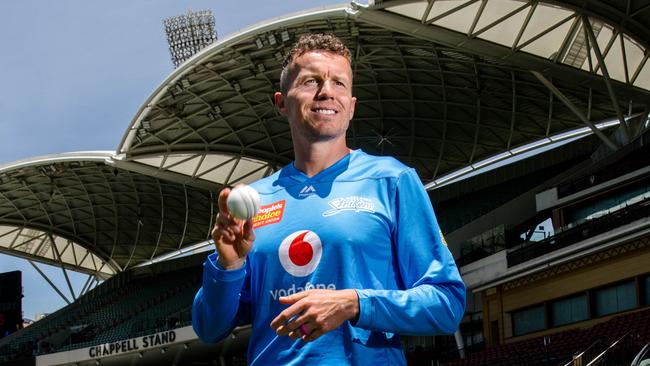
(562, 346)
(122, 307)
(575, 234)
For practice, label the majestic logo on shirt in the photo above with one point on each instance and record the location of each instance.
(269, 214)
(307, 191)
(352, 203)
(300, 253)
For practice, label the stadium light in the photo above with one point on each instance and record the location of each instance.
(189, 33)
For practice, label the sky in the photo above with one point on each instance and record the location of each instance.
(75, 72)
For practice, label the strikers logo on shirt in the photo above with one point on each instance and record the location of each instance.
(300, 253)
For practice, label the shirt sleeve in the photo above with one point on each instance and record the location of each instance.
(222, 303)
(432, 297)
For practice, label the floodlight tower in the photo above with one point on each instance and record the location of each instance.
(189, 33)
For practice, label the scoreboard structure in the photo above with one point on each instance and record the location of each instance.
(11, 295)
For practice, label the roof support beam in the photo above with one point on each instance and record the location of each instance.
(564, 48)
(444, 113)
(477, 17)
(139, 224)
(531, 11)
(187, 210)
(58, 258)
(608, 83)
(116, 226)
(162, 221)
(213, 214)
(50, 282)
(639, 68)
(549, 121)
(575, 110)
(463, 43)
(642, 120)
(477, 129)
(86, 286)
(448, 12)
(513, 114)
(426, 12)
(412, 115)
(161, 174)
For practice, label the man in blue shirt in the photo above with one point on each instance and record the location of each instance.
(345, 252)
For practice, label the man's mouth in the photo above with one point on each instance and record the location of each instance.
(324, 111)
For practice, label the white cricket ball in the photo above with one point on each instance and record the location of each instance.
(243, 202)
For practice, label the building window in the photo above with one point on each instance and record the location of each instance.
(646, 290)
(528, 321)
(616, 298)
(571, 310)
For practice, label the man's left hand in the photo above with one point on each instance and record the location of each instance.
(315, 312)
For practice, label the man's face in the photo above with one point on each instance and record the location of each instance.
(318, 103)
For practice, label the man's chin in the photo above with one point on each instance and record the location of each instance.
(324, 136)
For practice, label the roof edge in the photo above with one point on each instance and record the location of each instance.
(101, 155)
(178, 73)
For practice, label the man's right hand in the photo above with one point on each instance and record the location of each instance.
(232, 237)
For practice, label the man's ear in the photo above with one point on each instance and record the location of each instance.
(278, 98)
(353, 104)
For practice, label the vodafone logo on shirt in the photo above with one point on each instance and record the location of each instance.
(300, 253)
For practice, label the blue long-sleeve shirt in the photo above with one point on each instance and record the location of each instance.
(364, 223)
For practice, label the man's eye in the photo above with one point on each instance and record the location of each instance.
(340, 83)
(310, 81)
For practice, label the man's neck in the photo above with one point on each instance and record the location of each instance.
(313, 158)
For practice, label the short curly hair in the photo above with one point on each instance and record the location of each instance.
(312, 42)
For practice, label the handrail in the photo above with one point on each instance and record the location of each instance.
(588, 229)
(608, 348)
(579, 355)
(641, 353)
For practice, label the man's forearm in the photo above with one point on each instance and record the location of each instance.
(423, 310)
(216, 308)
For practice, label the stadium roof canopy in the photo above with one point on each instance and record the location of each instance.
(78, 211)
(445, 86)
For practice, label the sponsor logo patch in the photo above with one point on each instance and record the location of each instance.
(300, 253)
(277, 293)
(269, 214)
(351, 203)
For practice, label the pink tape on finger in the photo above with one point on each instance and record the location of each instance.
(304, 330)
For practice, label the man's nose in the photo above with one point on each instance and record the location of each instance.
(326, 89)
